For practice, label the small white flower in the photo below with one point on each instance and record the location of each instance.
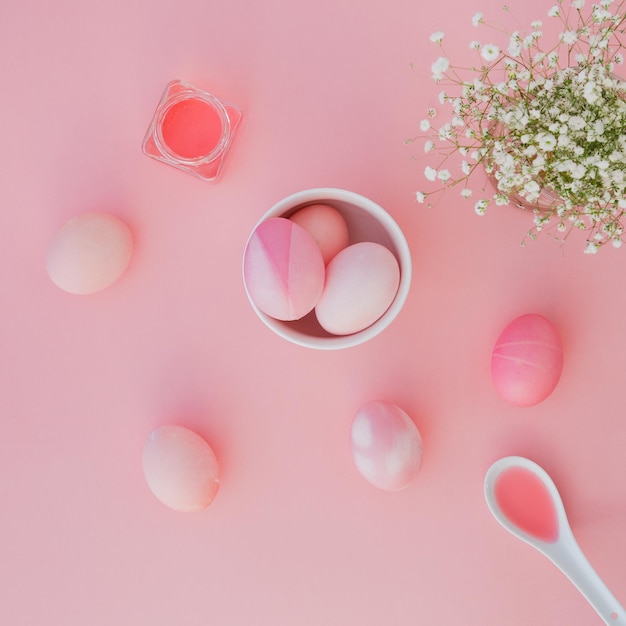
(547, 141)
(591, 92)
(466, 193)
(532, 188)
(576, 122)
(429, 145)
(445, 132)
(617, 243)
(569, 37)
(442, 97)
(437, 37)
(490, 52)
(474, 45)
(425, 125)
(563, 140)
(430, 173)
(578, 4)
(555, 11)
(477, 19)
(591, 248)
(420, 197)
(439, 67)
(480, 207)
(515, 47)
(444, 175)
(465, 168)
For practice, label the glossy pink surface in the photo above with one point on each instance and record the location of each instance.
(386, 446)
(527, 360)
(283, 269)
(295, 536)
(180, 468)
(192, 128)
(361, 282)
(326, 225)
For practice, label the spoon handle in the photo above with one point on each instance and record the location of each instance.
(570, 559)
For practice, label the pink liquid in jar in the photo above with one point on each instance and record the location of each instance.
(192, 128)
(526, 503)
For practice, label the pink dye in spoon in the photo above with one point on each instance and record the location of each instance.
(526, 502)
(523, 498)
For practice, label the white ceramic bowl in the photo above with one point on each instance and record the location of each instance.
(367, 221)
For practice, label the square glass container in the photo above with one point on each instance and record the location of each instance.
(192, 130)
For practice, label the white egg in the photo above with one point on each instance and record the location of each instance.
(361, 283)
(89, 252)
(180, 468)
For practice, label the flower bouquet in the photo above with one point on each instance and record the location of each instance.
(545, 124)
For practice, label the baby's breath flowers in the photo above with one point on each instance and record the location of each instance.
(547, 125)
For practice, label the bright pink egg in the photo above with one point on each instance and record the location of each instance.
(386, 445)
(327, 227)
(527, 360)
(89, 252)
(283, 269)
(361, 283)
(180, 468)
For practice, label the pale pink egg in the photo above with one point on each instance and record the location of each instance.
(361, 283)
(527, 360)
(283, 269)
(180, 468)
(386, 445)
(327, 227)
(89, 252)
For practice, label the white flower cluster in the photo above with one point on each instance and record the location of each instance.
(547, 127)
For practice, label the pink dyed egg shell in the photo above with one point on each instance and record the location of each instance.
(327, 227)
(283, 269)
(361, 283)
(386, 445)
(89, 252)
(180, 468)
(527, 360)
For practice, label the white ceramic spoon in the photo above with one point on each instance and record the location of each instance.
(523, 498)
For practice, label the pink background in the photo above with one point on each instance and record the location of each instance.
(295, 535)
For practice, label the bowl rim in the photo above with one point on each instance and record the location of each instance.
(402, 253)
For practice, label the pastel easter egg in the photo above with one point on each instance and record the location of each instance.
(386, 445)
(283, 269)
(527, 360)
(327, 227)
(180, 468)
(361, 282)
(89, 252)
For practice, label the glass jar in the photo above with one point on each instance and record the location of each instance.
(192, 130)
